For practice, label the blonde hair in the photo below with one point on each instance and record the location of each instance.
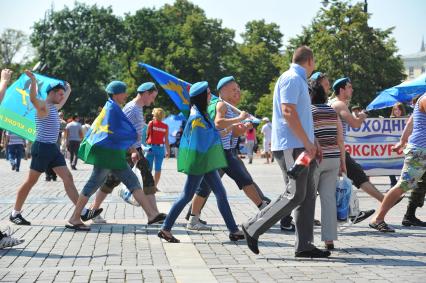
(158, 114)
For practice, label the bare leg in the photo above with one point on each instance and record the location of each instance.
(25, 189)
(99, 199)
(157, 176)
(64, 173)
(141, 198)
(388, 202)
(252, 194)
(197, 204)
(267, 157)
(81, 203)
(370, 189)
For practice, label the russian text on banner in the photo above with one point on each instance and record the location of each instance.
(371, 145)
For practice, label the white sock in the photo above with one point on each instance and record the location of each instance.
(15, 213)
(83, 211)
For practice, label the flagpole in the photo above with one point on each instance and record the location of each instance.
(238, 111)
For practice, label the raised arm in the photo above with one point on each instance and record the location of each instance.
(38, 104)
(5, 78)
(221, 122)
(66, 96)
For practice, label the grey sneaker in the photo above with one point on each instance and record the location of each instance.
(195, 224)
(99, 220)
(8, 241)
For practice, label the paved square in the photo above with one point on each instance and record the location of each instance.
(127, 250)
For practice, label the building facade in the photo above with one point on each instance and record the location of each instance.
(415, 64)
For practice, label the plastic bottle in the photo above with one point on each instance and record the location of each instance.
(301, 163)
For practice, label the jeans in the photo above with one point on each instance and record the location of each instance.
(73, 149)
(15, 154)
(99, 176)
(191, 185)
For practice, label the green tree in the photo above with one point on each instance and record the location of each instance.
(179, 39)
(256, 64)
(11, 43)
(80, 45)
(345, 45)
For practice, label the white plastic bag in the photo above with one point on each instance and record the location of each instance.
(343, 197)
(125, 194)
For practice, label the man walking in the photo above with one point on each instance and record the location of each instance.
(292, 134)
(73, 136)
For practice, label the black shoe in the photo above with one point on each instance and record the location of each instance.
(73, 167)
(48, 178)
(413, 221)
(251, 242)
(290, 228)
(315, 253)
(362, 215)
(54, 178)
(19, 220)
(13, 167)
(236, 236)
(90, 214)
(317, 222)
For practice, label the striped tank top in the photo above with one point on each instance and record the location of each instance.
(418, 137)
(325, 121)
(229, 142)
(47, 128)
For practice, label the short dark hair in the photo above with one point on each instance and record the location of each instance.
(302, 55)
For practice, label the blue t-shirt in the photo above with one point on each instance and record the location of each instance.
(292, 88)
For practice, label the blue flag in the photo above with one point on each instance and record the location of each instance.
(17, 113)
(177, 89)
(108, 139)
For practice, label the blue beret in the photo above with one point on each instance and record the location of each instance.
(198, 88)
(315, 76)
(53, 85)
(340, 82)
(116, 87)
(223, 81)
(146, 86)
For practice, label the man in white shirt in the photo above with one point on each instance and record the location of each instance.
(267, 133)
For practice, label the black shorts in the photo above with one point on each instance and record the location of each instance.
(236, 169)
(355, 171)
(45, 155)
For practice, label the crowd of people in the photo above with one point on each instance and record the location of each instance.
(306, 124)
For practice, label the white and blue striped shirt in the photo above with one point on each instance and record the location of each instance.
(134, 113)
(47, 128)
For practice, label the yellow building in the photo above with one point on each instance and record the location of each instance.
(415, 64)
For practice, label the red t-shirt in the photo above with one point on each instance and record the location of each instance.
(156, 132)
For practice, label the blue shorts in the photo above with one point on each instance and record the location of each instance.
(46, 155)
(155, 154)
(236, 169)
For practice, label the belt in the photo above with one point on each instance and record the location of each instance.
(161, 145)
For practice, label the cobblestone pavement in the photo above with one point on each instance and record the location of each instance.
(127, 250)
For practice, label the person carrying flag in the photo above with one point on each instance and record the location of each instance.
(105, 146)
(44, 151)
(200, 155)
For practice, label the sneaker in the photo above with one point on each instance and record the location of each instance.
(252, 242)
(263, 205)
(195, 224)
(98, 220)
(13, 167)
(413, 221)
(362, 215)
(90, 214)
(8, 241)
(315, 253)
(288, 228)
(19, 220)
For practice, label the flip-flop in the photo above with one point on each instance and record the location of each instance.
(170, 239)
(159, 219)
(77, 227)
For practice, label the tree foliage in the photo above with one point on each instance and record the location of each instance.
(345, 45)
(11, 43)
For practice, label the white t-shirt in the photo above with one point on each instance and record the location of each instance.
(267, 131)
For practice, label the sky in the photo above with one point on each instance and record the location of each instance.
(407, 16)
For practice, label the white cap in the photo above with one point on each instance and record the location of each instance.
(266, 119)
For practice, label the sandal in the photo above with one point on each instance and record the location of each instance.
(169, 239)
(382, 227)
(159, 219)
